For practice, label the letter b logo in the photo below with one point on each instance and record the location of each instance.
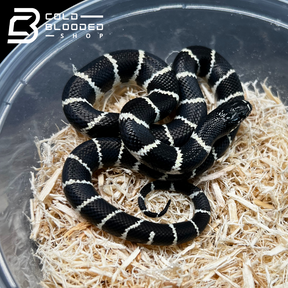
(12, 32)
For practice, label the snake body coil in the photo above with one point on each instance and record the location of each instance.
(179, 150)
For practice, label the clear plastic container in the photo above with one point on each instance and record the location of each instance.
(251, 34)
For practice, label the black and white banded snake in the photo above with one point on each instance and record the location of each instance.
(181, 149)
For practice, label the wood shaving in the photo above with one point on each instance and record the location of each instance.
(244, 245)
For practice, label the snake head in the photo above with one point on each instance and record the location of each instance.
(234, 112)
(225, 118)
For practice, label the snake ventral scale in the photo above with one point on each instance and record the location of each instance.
(179, 150)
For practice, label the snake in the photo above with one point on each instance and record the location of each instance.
(170, 154)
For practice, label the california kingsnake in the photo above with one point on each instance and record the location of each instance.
(182, 149)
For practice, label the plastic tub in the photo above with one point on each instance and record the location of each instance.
(252, 35)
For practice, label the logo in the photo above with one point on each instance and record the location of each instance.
(68, 24)
(59, 28)
(13, 20)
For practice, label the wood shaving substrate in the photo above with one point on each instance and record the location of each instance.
(244, 245)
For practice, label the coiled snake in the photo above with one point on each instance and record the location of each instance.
(179, 150)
